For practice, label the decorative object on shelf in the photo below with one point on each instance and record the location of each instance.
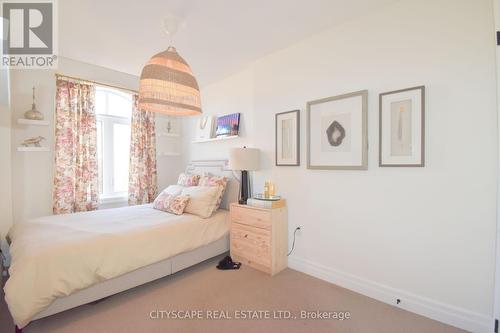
(167, 84)
(33, 114)
(269, 189)
(287, 141)
(244, 159)
(228, 125)
(35, 142)
(169, 126)
(402, 128)
(205, 127)
(337, 132)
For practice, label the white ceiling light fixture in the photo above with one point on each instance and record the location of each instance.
(168, 85)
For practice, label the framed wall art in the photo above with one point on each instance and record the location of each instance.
(228, 125)
(402, 128)
(337, 132)
(205, 127)
(287, 141)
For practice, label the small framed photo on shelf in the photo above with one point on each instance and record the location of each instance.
(204, 127)
(402, 128)
(287, 140)
(228, 125)
(337, 132)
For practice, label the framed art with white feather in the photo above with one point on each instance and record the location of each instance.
(287, 140)
(402, 128)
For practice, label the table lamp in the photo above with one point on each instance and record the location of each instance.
(244, 159)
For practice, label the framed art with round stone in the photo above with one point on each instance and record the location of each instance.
(337, 132)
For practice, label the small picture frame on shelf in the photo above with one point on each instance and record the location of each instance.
(287, 138)
(402, 128)
(228, 125)
(205, 128)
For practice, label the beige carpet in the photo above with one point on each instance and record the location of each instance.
(205, 288)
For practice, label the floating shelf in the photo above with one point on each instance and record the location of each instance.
(221, 138)
(168, 153)
(23, 121)
(33, 149)
(170, 135)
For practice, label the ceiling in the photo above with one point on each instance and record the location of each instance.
(219, 37)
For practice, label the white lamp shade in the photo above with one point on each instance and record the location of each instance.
(244, 159)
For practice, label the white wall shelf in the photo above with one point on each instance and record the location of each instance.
(168, 153)
(23, 121)
(169, 135)
(222, 138)
(33, 149)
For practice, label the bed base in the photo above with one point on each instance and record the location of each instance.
(163, 268)
(136, 278)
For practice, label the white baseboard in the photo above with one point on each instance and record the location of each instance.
(448, 314)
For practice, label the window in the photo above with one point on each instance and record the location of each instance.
(113, 111)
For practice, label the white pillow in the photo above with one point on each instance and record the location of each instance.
(173, 190)
(202, 200)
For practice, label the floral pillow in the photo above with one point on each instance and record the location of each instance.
(171, 203)
(211, 180)
(186, 179)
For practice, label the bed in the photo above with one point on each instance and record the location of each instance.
(64, 261)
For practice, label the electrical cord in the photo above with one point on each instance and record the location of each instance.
(293, 243)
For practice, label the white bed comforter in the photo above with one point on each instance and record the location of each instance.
(55, 256)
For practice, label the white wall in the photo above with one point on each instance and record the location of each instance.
(32, 173)
(5, 153)
(496, 5)
(425, 235)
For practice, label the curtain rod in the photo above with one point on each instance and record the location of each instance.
(95, 82)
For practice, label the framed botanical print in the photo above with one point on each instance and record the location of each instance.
(337, 132)
(287, 138)
(402, 128)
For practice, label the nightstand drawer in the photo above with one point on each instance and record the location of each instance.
(259, 237)
(252, 217)
(252, 243)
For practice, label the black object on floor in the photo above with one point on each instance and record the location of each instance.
(228, 263)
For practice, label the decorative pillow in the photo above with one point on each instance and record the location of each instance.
(202, 200)
(171, 203)
(186, 179)
(173, 190)
(211, 180)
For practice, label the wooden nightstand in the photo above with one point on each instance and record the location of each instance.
(259, 237)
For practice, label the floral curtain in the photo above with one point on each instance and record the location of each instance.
(142, 167)
(76, 172)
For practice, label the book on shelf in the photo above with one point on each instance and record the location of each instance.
(265, 203)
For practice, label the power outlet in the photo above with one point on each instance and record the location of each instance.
(298, 228)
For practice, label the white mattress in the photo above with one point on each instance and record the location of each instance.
(55, 256)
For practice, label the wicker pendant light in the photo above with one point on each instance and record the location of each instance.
(168, 86)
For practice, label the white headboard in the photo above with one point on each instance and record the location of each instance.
(219, 168)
